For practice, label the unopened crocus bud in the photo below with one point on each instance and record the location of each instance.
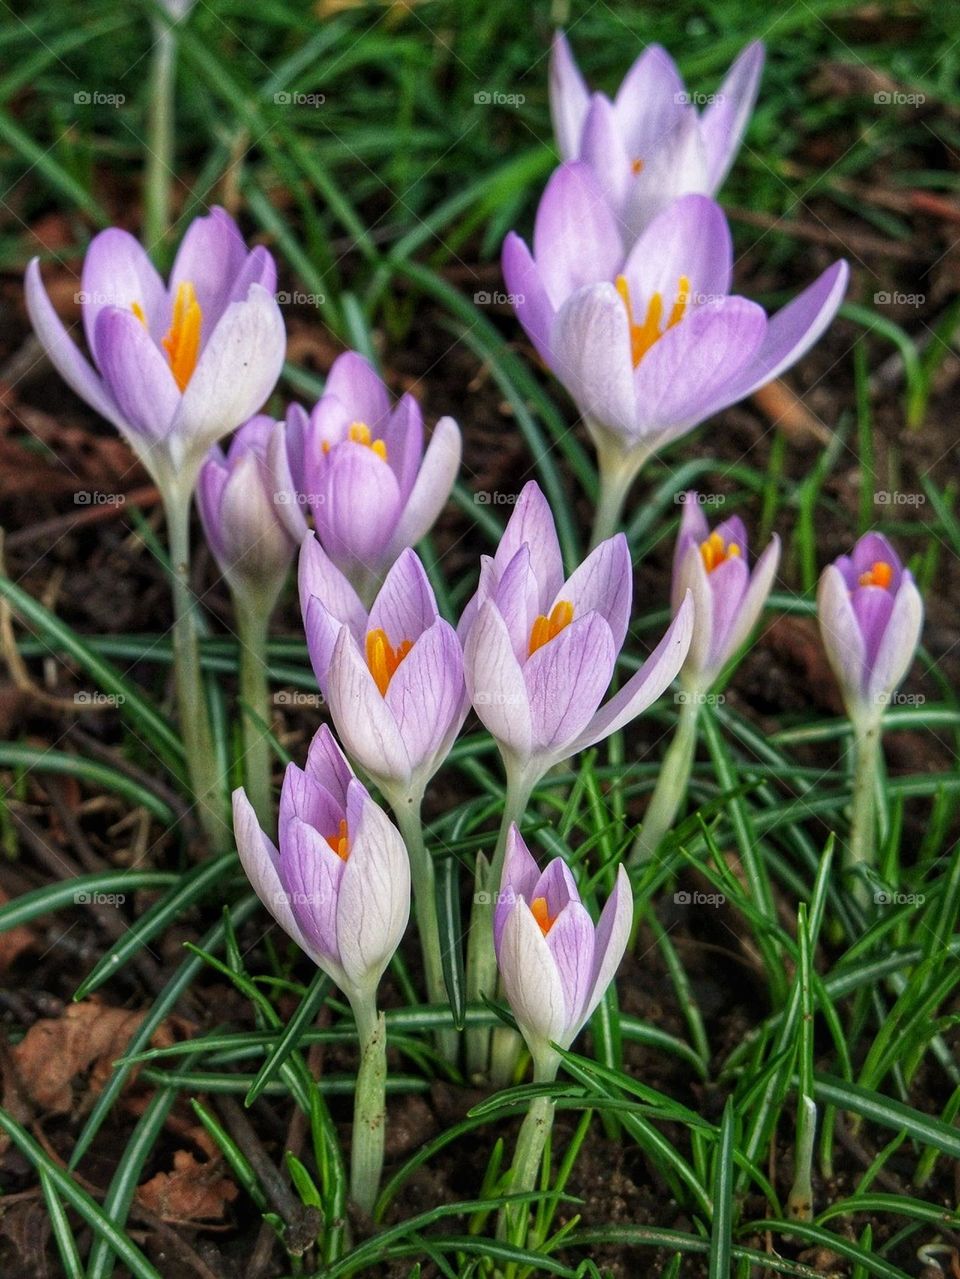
(870, 615)
(393, 676)
(339, 882)
(651, 143)
(175, 367)
(540, 651)
(242, 496)
(728, 597)
(371, 486)
(555, 963)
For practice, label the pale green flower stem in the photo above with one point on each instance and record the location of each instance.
(369, 1104)
(406, 809)
(862, 850)
(205, 781)
(528, 1156)
(617, 470)
(160, 131)
(253, 624)
(672, 782)
(481, 958)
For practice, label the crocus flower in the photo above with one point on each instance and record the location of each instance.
(339, 883)
(242, 497)
(372, 488)
(871, 615)
(393, 676)
(555, 963)
(651, 344)
(727, 597)
(540, 651)
(651, 144)
(174, 367)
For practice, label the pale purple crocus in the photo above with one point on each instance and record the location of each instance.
(651, 144)
(392, 676)
(338, 880)
(372, 488)
(243, 496)
(555, 963)
(174, 366)
(650, 344)
(728, 596)
(540, 649)
(870, 615)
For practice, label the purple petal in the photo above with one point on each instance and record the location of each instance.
(675, 166)
(534, 309)
(406, 606)
(590, 346)
(63, 352)
(495, 682)
(117, 272)
(603, 583)
(576, 240)
(556, 886)
(531, 980)
(517, 597)
(136, 373)
(568, 98)
(613, 933)
(304, 796)
(364, 721)
(650, 101)
(357, 385)
(571, 943)
(311, 873)
(872, 548)
(602, 148)
(427, 696)
(374, 901)
(690, 576)
(211, 256)
(210, 486)
(237, 370)
(842, 640)
(898, 644)
(356, 507)
(566, 679)
(532, 525)
(724, 122)
(790, 334)
(686, 370)
(642, 689)
(261, 861)
(752, 604)
(403, 437)
(327, 765)
(520, 875)
(432, 486)
(872, 606)
(690, 239)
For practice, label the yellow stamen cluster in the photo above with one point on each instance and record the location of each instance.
(541, 913)
(182, 343)
(383, 659)
(339, 842)
(545, 629)
(636, 167)
(360, 433)
(716, 551)
(643, 336)
(879, 574)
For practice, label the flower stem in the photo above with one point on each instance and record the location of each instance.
(369, 1105)
(527, 1160)
(618, 469)
(862, 850)
(672, 782)
(160, 158)
(481, 958)
(406, 809)
(253, 623)
(205, 782)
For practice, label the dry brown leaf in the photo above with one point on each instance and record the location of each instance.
(194, 1191)
(785, 410)
(88, 1037)
(16, 940)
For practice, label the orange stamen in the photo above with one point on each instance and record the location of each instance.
(383, 659)
(137, 309)
(545, 629)
(182, 343)
(541, 913)
(715, 551)
(643, 336)
(636, 166)
(879, 574)
(339, 842)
